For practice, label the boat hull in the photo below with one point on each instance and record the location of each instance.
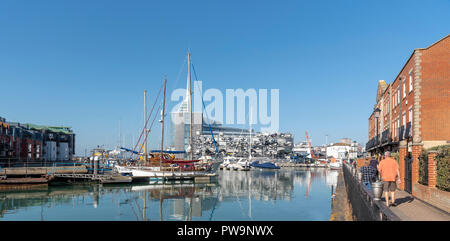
(265, 165)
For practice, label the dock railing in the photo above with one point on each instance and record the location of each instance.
(364, 207)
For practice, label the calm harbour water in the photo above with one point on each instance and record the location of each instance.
(284, 194)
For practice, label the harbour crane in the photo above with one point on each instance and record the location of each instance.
(310, 148)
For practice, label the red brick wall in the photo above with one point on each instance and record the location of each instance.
(408, 101)
(395, 109)
(416, 151)
(435, 97)
(401, 160)
(372, 126)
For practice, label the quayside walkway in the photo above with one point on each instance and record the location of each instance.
(408, 208)
(412, 209)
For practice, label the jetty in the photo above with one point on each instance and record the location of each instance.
(13, 177)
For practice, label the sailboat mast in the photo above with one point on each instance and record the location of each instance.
(250, 139)
(145, 126)
(190, 106)
(162, 122)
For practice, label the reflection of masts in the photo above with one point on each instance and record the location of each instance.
(250, 197)
(160, 206)
(190, 203)
(145, 206)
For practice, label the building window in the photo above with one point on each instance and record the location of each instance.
(404, 119)
(410, 81)
(410, 114)
(404, 89)
(395, 129)
(398, 96)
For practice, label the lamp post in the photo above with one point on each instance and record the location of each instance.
(377, 115)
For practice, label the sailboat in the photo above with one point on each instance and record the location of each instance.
(169, 167)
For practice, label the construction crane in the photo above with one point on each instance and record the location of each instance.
(310, 148)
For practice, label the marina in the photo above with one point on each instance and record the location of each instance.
(224, 111)
(291, 193)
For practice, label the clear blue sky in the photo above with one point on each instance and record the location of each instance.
(85, 64)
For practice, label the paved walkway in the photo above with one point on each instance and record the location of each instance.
(411, 209)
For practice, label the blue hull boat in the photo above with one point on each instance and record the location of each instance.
(267, 165)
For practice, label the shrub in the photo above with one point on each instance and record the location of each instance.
(423, 168)
(442, 166)
(443, 170)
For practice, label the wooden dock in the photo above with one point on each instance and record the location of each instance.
(22, 183)
(102, 178)
(28, 180)
(22, 171)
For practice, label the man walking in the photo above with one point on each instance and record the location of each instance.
(390, 173)
(368, 175)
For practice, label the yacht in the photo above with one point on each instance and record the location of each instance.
(241, 165)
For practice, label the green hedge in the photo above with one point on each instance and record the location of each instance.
(423, 168)
(442, 166)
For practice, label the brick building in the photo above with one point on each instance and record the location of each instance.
(29, 142)
(413, 112)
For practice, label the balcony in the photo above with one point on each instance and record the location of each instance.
(372, 143)
(408, 130)
(402, 133)
(386, 137)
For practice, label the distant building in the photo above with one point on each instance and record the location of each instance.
(345, 140)
(344, 150)
(339, 150)
(29, 142)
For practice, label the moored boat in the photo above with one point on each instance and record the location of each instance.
(265, 164)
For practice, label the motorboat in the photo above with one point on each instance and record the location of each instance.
(265, 164)
(335, 165)
(227, 163)
(241, 165)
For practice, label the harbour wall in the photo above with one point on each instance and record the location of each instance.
(361, 200)
(340, 207)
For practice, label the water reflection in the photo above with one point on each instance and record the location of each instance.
(285, 194)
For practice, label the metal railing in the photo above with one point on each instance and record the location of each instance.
(364, 207)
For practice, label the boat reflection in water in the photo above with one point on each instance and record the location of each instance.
(285, 194)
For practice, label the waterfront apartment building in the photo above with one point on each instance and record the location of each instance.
(29, 142)
(412, 113)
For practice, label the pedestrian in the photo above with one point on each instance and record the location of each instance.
(368, 175)
(390, 174)
(374, 164)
